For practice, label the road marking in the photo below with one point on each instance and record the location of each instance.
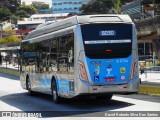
(138, 105)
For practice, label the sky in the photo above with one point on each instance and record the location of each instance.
(30, 1)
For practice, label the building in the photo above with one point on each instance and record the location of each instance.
(143, 13)
(29, 24)
(49, 17)
(141, 9)
(67, 6)
(44, 11)
(133, 9)
(24, 27)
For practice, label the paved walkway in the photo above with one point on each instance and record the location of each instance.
(11, 66)
(152, 79)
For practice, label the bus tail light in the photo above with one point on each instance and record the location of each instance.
(134, 71)
(134, 64)
(108, 51)
(82, 72)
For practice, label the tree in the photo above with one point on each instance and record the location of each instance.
(12, 5)
(26, 10)
(40, 5)
(4, 14)
(97, 7)
(8, 8)
(117, 5)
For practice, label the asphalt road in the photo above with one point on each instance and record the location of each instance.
(14, 98)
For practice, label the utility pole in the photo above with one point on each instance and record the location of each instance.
(1, 30)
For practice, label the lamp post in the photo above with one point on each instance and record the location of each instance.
(1, 30)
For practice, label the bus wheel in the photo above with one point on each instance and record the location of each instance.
(55, 96)
(28, 83)
(104, 97)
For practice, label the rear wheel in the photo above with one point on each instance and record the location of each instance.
(55, 96)
(28, 83)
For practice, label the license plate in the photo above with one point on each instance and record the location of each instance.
(110, 79)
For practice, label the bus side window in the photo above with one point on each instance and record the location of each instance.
(70, 52)
(45, 55)
(62, 54)
(53, 55)
(47, 62)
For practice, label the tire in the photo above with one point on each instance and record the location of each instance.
(28, 83)
(56, 99)
(104, 97)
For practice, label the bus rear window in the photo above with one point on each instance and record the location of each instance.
(107, 40)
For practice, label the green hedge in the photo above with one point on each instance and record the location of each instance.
(9, 39)
(10, 71)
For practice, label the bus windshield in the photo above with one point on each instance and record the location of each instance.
(107, 40)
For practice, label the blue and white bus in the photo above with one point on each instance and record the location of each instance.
(90, 55)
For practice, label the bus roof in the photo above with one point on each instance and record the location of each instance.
(74, 20)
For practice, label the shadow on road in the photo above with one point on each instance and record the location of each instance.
(70, 107)
(9, 76)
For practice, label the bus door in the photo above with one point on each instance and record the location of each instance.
(45, 74)
(70, 55)
(66, 62)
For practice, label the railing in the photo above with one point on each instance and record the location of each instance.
(144, 57)
(152, 72)
(151, 69)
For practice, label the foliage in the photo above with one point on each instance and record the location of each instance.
(12, 10)
(13, 5)
(9, 71)
(25, 10)
(9, 39)
(40, 5)
(158, 64)
(4, 14)
(10, 4)
(14, 19)
(117, 5)
(97, 7)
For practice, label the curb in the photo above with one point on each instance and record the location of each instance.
(150, 90)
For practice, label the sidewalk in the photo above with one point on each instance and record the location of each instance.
(150, 83)
(9, 69)
(9, 66)
(150, 78)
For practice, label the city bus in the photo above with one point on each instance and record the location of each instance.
(89, 55)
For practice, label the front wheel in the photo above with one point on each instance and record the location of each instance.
(56, 99)
(28, 83)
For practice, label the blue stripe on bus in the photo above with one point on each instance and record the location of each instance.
(45, 82)
(62, 85)
(86, 83)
